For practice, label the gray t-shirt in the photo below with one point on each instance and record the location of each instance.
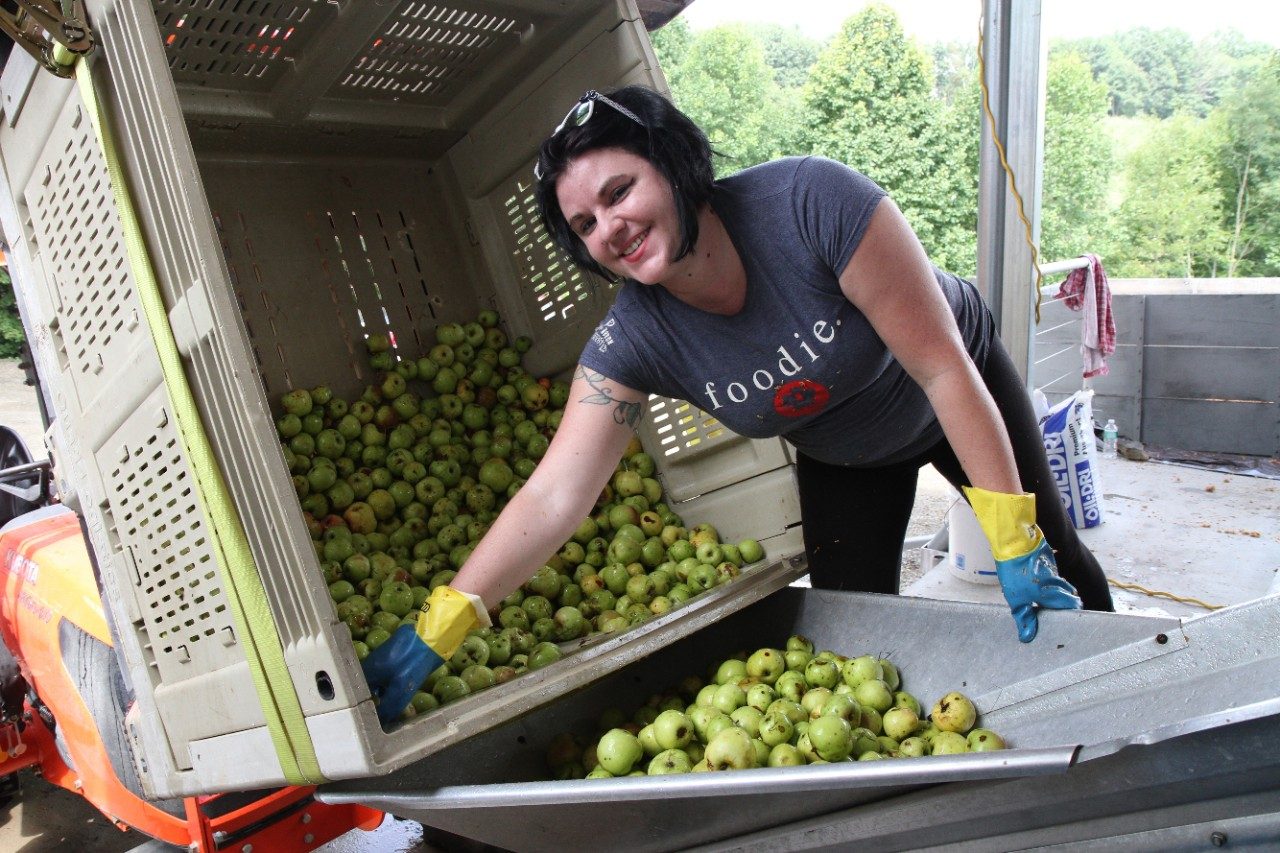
(799, 360)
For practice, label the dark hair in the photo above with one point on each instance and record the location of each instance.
(675, 146)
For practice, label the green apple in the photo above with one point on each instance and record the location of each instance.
(761, 696)
(748, 719)
(913, 747)
(786, 755)
(821, 672)
(775, 728)
(766, 665)
(670, 761)
(985, 740)
(949, 743)
(832, 737)
(860, 669)
(954, 712)
(900, 723)
(673, 729)
(728, 698)
(874, 694)
(618, 751)
(731, 749)
(649, 741)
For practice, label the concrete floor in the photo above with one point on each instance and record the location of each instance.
(1189, 532)
(1186, 531)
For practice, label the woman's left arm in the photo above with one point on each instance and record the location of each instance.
(890, 280)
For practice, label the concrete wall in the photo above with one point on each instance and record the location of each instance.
(1197, 363)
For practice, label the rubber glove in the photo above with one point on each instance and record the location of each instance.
(396, 669)
(1025, 566)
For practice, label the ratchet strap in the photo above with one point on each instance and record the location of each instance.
(254, 623)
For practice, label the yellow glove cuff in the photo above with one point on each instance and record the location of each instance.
(1009, 521)
(446, 617)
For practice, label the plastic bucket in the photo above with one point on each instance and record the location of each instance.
(969, 554)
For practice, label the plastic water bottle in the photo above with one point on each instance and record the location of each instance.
(1109, 439)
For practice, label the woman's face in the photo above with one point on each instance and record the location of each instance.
(623, 210)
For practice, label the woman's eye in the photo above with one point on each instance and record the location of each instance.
(585, 228)
(620, 192)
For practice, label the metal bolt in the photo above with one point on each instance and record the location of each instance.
(306, 817)
(308, 838)
(248, 848)
(1218, 839)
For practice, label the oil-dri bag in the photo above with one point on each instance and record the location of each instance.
(1069, 444)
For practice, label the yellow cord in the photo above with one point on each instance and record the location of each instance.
(1013, 181)
(1156, 593)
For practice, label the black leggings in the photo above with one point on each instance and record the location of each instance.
(855, 519)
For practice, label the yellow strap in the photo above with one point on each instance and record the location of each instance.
(254, 623)
(1009, 521)
(446, 617)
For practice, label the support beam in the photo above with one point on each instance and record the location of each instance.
(1015, 57)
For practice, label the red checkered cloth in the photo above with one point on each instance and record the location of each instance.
(1087, 289)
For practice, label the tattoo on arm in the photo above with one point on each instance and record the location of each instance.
(624, 413)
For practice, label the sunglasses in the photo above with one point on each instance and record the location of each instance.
(580, 113)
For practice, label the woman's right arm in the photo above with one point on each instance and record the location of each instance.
(599, 420)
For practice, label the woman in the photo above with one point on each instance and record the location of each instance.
(789, 299)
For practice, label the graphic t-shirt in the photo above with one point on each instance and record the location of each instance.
(799, 360)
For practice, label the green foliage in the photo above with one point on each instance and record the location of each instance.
(724, 84)
(12, 336)
(1170, 222)
(1161, 154)
(789, 52)
(1249, 174)
(869, 103)
(1077, 161)
(670, 44)
(955, 65)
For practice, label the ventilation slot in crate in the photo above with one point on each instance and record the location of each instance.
(427, 52)
(682, 426)
(556, 288)
(231, 44)
(74, 215)
(156, 513)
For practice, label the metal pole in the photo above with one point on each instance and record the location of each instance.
(1014, 55)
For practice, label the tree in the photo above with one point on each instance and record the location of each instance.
(12, 337)
(670, 44)
(1077, 160)
(725, 86)
(869, 103)
(955, 66)
(1170, 222)
(789, 52)
(1250, 173)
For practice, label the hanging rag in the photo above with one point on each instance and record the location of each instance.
(1087, 289)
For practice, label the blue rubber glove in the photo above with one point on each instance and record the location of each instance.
(396, 669)
(1025, 567)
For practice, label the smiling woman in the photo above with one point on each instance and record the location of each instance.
(793, 299)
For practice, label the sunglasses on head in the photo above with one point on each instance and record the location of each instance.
(580, 113)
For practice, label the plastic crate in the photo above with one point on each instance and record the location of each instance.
(308, 173)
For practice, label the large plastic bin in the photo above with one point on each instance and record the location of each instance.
(307, 173)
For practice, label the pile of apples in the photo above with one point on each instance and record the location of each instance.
(397, 488)
(775, 708)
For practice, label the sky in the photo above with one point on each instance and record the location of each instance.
(946, 20)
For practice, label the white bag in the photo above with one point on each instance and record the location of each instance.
(1068, 442)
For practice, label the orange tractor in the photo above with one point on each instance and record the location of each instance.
(63, 697)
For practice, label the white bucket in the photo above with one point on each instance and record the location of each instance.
(969, 553)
